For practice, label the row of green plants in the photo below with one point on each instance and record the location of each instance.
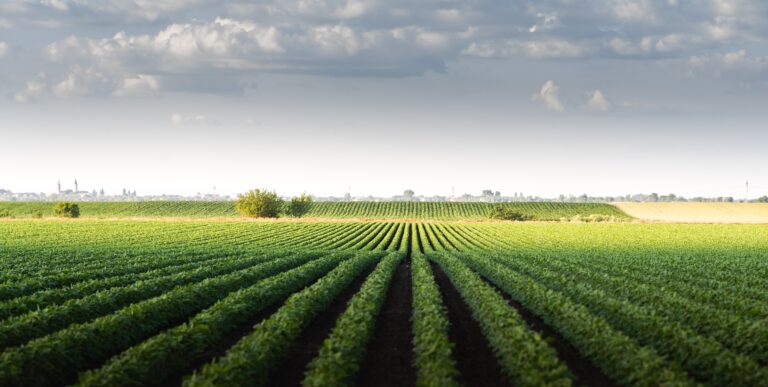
(702, 356)
(264, 203)
(250, 360)
(521, 352)
(20, 329)
(661, 305)
(176, 348)
(432, 349)
(342, 353)
(59, 356)
(165, 276)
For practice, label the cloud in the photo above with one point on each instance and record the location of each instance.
(33, 89)
(193, 120)
(549, 96)
(137, 86)
(633, 10)
(535, 48)
(227, 45)
(738, 65)
(545, 22)
(598, 101)
(4, 48)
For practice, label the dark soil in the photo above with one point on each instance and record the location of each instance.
(475, 360)
(585, 373)
(388, 360)
(290, 372)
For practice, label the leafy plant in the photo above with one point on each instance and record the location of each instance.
(502, 212)
(299, 205)
(66, 210)
(258, 203)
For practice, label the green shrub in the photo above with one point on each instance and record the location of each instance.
(37, 215)
(258, 203)
(503, 213)
(5, 213)
(299, 205)
(66, 210)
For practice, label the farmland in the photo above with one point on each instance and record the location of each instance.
(692, 212)
(110, 302)
(329, 210)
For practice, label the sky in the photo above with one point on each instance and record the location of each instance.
(547, 97)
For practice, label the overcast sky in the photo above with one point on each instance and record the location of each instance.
(544, 97)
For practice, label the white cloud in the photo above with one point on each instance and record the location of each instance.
(218, 44)
(548, 95)
(633, 10)
(545, 22)
(354, 8)
(734, 62)
(139, 85)
(193, 120)
(4, 48)
(598, 101)
(33, 89)
(536, 48)
(451, 15)
(335, 40)
(83, 82)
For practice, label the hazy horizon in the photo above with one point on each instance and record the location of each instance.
(604, 97)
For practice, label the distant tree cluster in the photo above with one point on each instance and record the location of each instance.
(261, 203)
(501, 212)
(66, 210)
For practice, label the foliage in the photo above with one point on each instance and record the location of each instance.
(502, 212)
(5, 213)
(178, 347)
(432, 349)
(138, 303)
(544, 211)
(66, 210)
(258, 203)
(522, 353)
(341, 353)
(299, 205)
(248, 362)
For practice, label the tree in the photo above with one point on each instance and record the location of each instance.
(66, 210)
(258, 203)
(762, 199)
(408, 194)
(299, 205)
(502, 212)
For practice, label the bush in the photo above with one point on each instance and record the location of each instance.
(503, 213)
(258, 203)
(66, 210)
(5, 213)
(299, 205)
(38, 215)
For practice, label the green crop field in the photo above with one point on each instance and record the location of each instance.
(111, 303)
(332, 210)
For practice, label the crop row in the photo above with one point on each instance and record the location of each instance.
(360, 210)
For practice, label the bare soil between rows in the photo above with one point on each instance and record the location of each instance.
(475, 360)
(290, 371)
(388, 361)
(585, 373)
